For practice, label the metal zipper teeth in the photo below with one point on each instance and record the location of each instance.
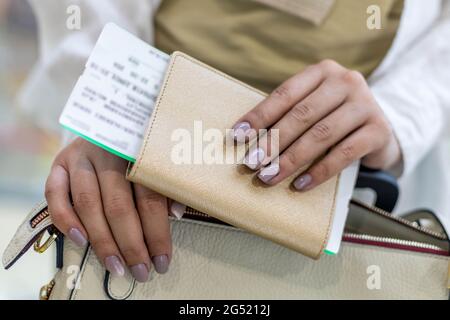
(412, 244)
(39, 218)
(192, 213)
(401, 220)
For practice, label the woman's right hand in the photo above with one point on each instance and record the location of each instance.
(126, 224)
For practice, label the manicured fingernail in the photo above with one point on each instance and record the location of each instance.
(114, 266)
(269, 172)
(140, 272)
(161, 263)
(77, 237)
(303, 182)
(254, 158)
(240, 131)
(177, 210)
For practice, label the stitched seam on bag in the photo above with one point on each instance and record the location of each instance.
(29, 235)
(163, 93)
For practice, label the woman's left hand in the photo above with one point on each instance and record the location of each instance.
(324, 110)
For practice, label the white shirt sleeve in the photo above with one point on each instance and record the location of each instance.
(415, 93)
(64, 52)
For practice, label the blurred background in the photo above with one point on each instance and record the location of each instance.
(26, 152)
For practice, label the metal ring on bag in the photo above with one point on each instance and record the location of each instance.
(41, 248)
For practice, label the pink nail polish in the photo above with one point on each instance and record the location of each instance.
(254, 158)
(269, 172)
(303, 182)
(177, 210)
(240, 131)
(161, 263)
(114, 266)
(77, 237)
(140, 272)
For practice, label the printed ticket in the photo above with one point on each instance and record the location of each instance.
(113, 99)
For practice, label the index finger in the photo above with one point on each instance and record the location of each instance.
(281, 100)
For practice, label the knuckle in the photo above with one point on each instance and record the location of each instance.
(117, 206)
(159, 244)
(130, 252)
(329, 65)
(290, 158)
(57, 216)
(282, 92)
(260, 115)
(302, 112)
(315, 69)
(151, 203)
(383, 132)
(50, 190)
(353, 78)
(381, 125)
(321, 131)
(77, 143)
(85, 200)
(323, 171)
(348, 152)
(101, 244)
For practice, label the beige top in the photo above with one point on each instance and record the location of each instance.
(263, 46)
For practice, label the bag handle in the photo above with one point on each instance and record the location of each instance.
(384, 184)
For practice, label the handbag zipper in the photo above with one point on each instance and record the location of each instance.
(39, 218)
(394, 243)
(399, 219)
(386, 242)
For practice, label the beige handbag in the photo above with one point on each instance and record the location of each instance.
(382, 257)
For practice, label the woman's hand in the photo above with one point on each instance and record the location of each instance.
(324, 108)
(126, 224)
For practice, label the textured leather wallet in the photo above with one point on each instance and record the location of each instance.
(194, 92)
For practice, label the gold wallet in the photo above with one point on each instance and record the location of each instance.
(195, 92)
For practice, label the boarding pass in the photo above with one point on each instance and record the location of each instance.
(113, 99)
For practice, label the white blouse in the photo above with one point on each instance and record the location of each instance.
(412, 85)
